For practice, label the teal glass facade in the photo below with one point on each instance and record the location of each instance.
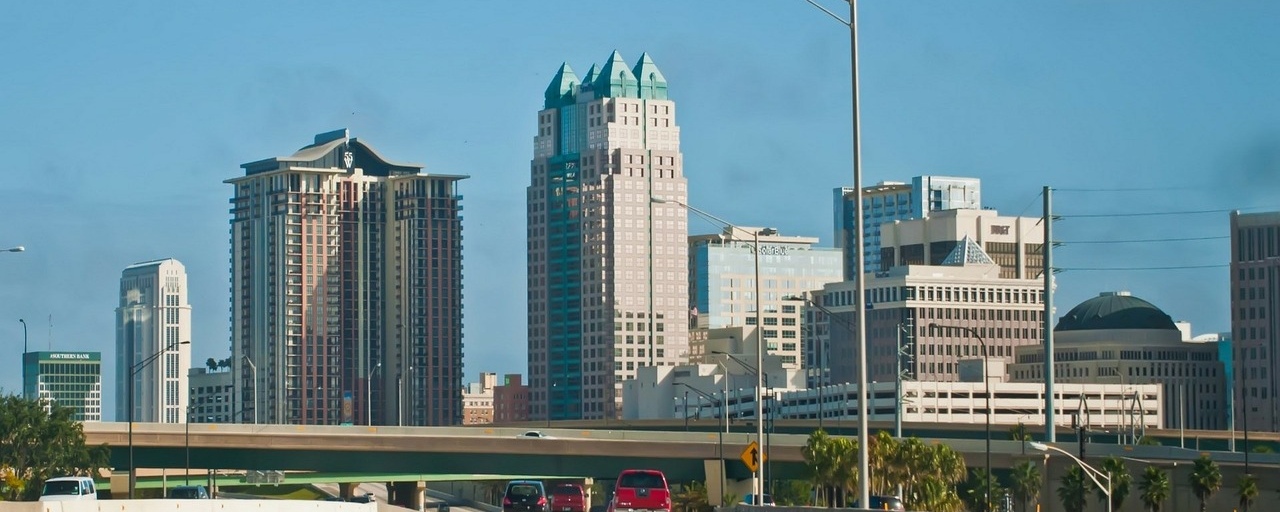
(67, 379)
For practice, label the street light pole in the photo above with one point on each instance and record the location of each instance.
(897, 386)
(253, 373)
(24, 335)
(758, 484)
(1092, 472)
(133, 373)
(186, 476)
(368, 394)
(986, 386)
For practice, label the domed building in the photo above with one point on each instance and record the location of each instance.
(1117, 338)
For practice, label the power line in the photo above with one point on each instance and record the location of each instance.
(1191, 239)
(1148, 214)
(1154, 214)
(1107, 269)
(1133, 189)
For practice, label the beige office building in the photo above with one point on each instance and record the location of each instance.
(1255, 318)
(607, 266)
(1116, 338)
(966, 289)
(1014, 243)
(477, 400)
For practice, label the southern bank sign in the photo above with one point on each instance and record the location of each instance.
(84, 356)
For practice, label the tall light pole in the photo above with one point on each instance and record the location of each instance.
(253, 373)
(1092, 472)
(24, 335)
(897, 387)
(368, 394)
(186, 476)
(864, 461)
(133, 373)
(758, 485)
(986, 387)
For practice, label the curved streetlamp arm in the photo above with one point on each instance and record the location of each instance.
(1090, 471)
(138, 367)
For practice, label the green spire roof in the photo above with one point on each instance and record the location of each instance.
(615, 80)
(561, 90)
(592, 75)
(652, 84)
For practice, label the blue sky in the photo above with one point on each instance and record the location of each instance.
(122, 119)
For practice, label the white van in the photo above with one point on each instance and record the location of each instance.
(69, 488)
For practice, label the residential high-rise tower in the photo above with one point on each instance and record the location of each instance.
(346, 289)
(152, 321)
(607, 267)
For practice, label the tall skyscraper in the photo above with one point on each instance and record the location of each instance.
(722, 285)
(1255, 318)
(343, 260)
(607, 267)
(888, 201)
(67, 379)
(152, 321)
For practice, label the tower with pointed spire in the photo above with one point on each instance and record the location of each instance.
(607, 268)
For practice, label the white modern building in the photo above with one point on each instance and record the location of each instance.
(651, 394)
(211, 395)
(152, 322)
(889, 201)
(722, 285)
(607, 267)
(703, 391)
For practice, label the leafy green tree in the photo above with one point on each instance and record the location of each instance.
(39, 445)
(1205, 480)
(1024, 483)
(1120, 481)
(1148, 441)
(212, 364)
(1263, 448)
(1154, 488)
(1247, 491)
(1073, 490)
(975, 491)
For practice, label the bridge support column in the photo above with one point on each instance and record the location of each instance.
(409, 495)
(586, 484)
(346, 491)
(119, 485)
(713, 470)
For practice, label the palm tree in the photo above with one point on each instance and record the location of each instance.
(1247, 489)
(1025, 483)
(1205, 480)
(819, 458)
(692, 498)
(884, 472)
(935, 495)
(1019, 432)
(1072, 491)
(1154, 487)
(845, 476)
(980, 488)
(1120, 480)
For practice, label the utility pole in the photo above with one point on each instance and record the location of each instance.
(1047, 273)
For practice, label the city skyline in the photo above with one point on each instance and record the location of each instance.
(1175, 101)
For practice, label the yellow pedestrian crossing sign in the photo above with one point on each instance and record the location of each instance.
(752, 456)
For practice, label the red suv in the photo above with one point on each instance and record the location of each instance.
(640, 490)
(568, 498)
